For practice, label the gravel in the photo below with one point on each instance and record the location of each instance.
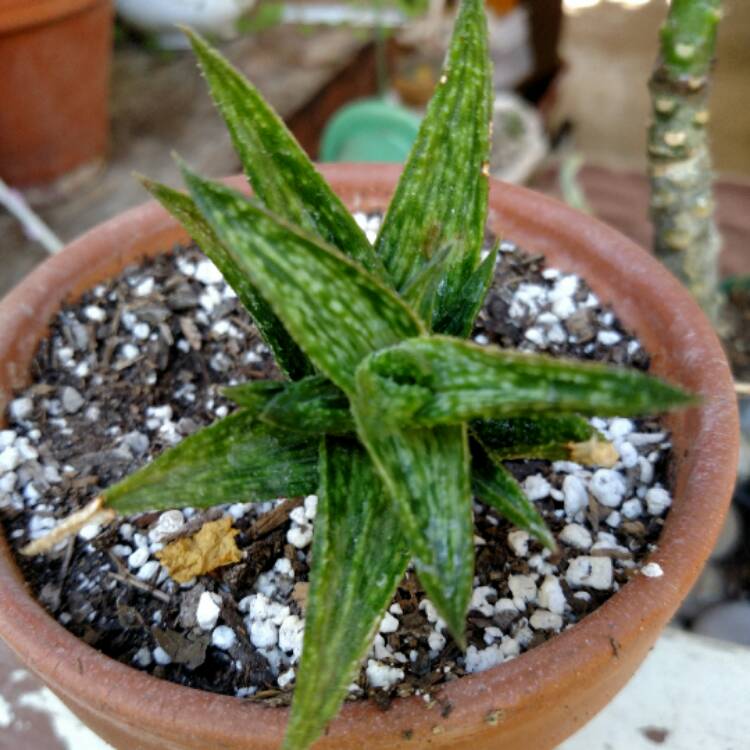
(135, 367)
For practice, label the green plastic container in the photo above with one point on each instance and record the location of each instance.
(369, 130)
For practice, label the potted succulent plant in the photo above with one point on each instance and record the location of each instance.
(394, 420)
(54, 88)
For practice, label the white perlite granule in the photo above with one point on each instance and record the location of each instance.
(520, 607)
(208, 611)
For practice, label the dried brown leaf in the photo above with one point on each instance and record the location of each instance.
(212, 547)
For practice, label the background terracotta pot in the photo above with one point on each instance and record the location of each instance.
(534, 701)
(55, 58)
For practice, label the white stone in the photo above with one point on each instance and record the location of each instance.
(311, 507)
(291, 633)
(576, 496)
(518, 541)
(505, 605)
(594, 572)
(523, 589)
(608, 487)
(535, 336)
(138, 558)
(208, 611)
(646, 438)
(9, 459)
(8, 482)
(223, 637)
(657, 501)
(26, 451)
(551, 595)
(21, 408)
(544, 620)
(566, 286)
(283, 567)
(614, 519)
(95, 313)
(632, 509)
(286, 678)
(148, 570)
(161, 657)
(486, 658)
(207, 273)
(619, 427)
(142, 331)
(380, 675)
(389, 624)
(436, 641)
(608, 338)
(536, 487)
(89, 531)
(7, 437)
(263, 634)
(169, 522)
(129, 351)
(431, 614)
(479, 601)
(145, 287)
(575, 535)
(652, 570)
(299, 536)
(297, 515)
(142, 657)
(563, 307)
(628, 454)
(647, 470)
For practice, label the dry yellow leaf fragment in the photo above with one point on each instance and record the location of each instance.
(209, 548)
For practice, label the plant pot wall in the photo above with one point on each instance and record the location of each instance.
(55, 60)
(534, 701)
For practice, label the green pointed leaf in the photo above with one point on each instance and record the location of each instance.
(313, 405)
(359, 556)
(420, 291)
(335, 310)
(427, 473)
(494, 485)
(460, 317)
(286, 352)
(281, 174)
(235, 460)
(441, 198)
(255, 395)
(541, 436)
(447, 381)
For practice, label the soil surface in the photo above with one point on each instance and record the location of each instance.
(136, 364)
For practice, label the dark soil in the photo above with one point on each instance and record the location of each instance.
(90, 590)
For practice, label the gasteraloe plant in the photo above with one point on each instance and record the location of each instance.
(393, 418)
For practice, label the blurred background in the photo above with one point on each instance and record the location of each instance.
(94, 90)
(90, 97)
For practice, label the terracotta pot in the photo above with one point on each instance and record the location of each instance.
(534, 701)
(53, 89)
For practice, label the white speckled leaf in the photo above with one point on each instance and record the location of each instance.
(234, 460)
(427, 473)
(288, 355)
(335, 310)
(359, 556)
(441, 380)
(441, 198)
(494, 485)
(281, 174)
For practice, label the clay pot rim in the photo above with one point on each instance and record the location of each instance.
(642, 606)
(16, 15)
